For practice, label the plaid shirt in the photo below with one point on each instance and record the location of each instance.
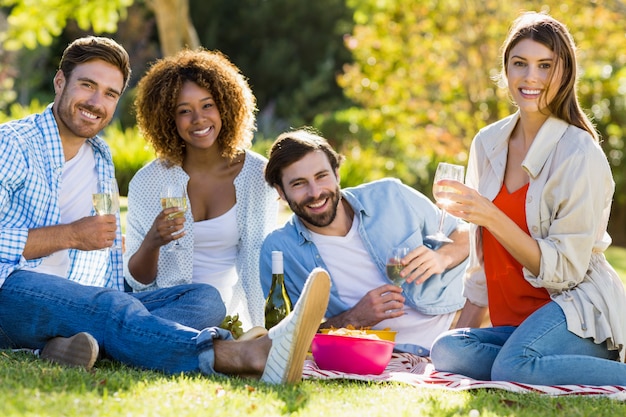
(30, 181)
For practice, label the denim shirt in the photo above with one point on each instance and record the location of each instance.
(30, 181)
(390, 214)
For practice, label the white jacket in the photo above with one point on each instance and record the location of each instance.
(567, 211)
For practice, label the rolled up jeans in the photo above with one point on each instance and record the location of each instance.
(36, 307)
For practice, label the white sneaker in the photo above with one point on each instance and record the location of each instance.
(292, 337)
(79, 350)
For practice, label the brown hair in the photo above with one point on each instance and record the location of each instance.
(158, 90)
(292, 146)
(546, 30)
(93, 47)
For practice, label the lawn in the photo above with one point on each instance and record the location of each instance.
(35, 388)
(30, 387)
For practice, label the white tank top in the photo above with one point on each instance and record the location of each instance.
(214, 257)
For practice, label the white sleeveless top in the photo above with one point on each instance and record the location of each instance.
(215, 254)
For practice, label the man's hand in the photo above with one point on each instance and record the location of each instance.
(88, 233)
(385, 302)
(94, 232)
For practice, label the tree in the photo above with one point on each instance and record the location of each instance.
(174, 25)
(38, 22)
(30, 24)
(423, 79)
(291, 51)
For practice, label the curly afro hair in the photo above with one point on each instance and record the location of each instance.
(157, 93)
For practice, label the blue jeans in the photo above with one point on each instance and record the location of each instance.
(36, 307)
(540, 351)
(195, 305)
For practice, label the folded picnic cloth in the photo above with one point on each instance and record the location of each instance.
(415, 370)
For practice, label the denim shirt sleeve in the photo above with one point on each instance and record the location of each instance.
(392, 213)
(300, 256)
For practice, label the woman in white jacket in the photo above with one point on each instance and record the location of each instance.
(538, 195)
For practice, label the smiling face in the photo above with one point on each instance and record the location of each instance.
(85, 102)
(533, 76)
(198, 120)
(311, 188)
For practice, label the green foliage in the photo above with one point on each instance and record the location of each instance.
(423, 77)
(130, 152)
(290, 50)
(37, 22)
(17, 111)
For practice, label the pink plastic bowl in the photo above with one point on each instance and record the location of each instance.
(354, 355)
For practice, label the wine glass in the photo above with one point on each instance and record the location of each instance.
(106, 199)
(174, 195)
(445, 171)
(394, 264)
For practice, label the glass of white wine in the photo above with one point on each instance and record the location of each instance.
(394, 264)
(445, 171)
(174, 195)
(106, 200)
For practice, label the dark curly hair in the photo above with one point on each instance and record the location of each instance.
(158, 90)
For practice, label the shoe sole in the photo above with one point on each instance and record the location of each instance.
(80, 350)
(315, 296)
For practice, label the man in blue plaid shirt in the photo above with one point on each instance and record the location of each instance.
(61, 281)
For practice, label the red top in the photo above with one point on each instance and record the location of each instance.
(511, 297)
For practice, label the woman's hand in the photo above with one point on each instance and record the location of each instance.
(467, 204)
(166, 228)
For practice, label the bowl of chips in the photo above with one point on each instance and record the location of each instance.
(362, 354)
(385, 334)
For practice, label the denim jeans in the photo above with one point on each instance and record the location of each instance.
(540, 351)
(195, 305)
(36, 307)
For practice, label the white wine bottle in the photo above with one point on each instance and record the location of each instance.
(277, 304)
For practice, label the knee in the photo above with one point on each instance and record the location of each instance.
(208, 296)
(517, 368)
(445, 349)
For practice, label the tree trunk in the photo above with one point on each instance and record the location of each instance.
(176, 31)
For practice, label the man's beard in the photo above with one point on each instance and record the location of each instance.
(64, 108)
(322, 219)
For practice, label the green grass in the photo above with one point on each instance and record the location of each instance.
(617, 258)
(31, 387)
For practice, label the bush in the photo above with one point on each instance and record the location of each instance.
(130, 152)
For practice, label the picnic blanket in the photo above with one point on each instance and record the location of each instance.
(418, 371)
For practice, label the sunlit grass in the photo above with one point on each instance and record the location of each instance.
(31, 387)
(617, 258)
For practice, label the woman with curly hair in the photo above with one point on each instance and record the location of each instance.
(197, 111)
